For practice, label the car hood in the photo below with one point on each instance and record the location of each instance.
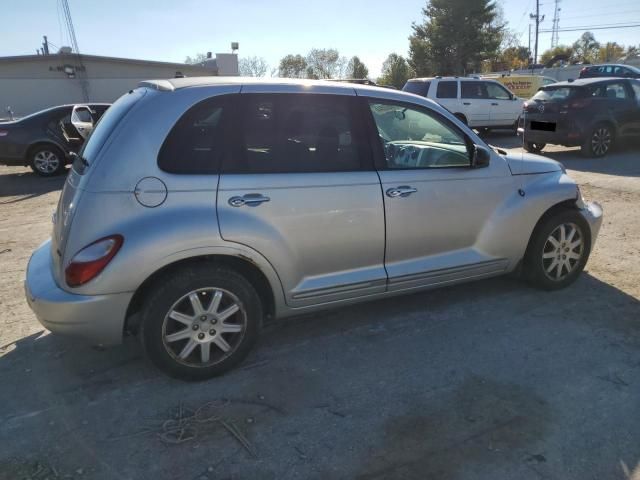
(530, 164)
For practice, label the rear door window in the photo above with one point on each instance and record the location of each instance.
(419, 88)
(447, 89)
(298, 133)
(197, 142)
(471, 89)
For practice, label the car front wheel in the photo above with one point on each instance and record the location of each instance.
(200, 322)
(558, 250)
(47, 161)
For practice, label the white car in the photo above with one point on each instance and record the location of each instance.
(480, 103)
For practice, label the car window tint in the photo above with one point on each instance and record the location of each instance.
(419, 88)
(196, 143)
(636, 90)
(555, 93)
(82, 115)
(471, 89)
(617, 90)
(497, 92)
(447, 89)
(413, 138)
(298, 133)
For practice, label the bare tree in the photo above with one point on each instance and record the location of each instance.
(197, 58)
(253, 67)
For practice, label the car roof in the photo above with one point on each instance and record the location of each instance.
(453, 77)
(585, 81)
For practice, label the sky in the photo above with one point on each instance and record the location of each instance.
(170, 30)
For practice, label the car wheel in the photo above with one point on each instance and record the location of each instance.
(534, 147)
(558, 250)
(599, 142)
(47, 161)
(200, 322)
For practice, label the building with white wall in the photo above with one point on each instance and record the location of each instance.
(29, 83)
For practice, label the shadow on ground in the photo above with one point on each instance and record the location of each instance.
(26, 185)
(485, 380)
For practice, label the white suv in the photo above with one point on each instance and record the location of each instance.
(480, 103)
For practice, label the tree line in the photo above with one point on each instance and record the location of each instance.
(455, 37)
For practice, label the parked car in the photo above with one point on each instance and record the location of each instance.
(476, 102)
(592, 113)
(244, 200)
(43, 140)
(610, 70)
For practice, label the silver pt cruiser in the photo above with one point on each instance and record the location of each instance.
(201, 206)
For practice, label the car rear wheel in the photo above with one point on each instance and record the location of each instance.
(46, 161)
(534, 147)
(200, 322)
(599, 142)
(558, 250)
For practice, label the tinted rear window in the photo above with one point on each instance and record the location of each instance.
(447, 89)
(108, 122)
(419, 88)
(552, 94)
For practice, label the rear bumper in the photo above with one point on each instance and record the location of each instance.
(98, 318)
(553, 138)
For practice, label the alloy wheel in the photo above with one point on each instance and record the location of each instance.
(204, 327)
(601, 141)
(562, 251)
(46, 161)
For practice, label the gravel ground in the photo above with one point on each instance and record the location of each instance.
(488, 380)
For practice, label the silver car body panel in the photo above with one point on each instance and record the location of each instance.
(320, 240)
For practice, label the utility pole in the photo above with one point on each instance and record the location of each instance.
(538, 20)
(556, 21)
(45, 45)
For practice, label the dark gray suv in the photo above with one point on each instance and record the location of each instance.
(591, 113)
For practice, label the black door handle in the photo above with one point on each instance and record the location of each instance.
(494, 104)
(466, 103)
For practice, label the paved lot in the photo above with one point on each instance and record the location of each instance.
(489, 380)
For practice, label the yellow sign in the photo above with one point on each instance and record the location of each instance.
(524, 86)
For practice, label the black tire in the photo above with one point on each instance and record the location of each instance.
(599, 141)
(534, 147)
(537, 268)
(47, 160)
(167, 295)
(461, 117)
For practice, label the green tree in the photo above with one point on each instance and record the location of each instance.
(513, 58)
(586, 49)
(356, 69)
(610, 52)
(395, 71)
(455, 36)
(292, 66)
(253, 67)
(325, 63)
(197, 58)
(562, 51)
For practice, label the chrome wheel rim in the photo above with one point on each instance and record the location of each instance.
(46, 161)
(204, 327)
(562, 251)
(601, 141)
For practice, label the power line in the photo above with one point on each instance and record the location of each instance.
(591, 15)
(578, 29)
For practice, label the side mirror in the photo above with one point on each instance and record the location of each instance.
(481, 157)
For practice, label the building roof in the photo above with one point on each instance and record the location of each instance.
(99, 58)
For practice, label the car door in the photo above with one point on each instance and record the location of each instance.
(505, 108)
(475, 103)
(621, 104)
(82, 120)
(301, 190)
(436, 205)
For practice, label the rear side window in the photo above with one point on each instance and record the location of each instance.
(447, 89)
(471, 89)
(298, 133)
(636, 89)
(196, 143)
(419, 88)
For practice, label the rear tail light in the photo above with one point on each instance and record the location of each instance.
(91, 260)
(4, 133)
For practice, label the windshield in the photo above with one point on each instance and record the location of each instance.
(551, 94)
(107, 123)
